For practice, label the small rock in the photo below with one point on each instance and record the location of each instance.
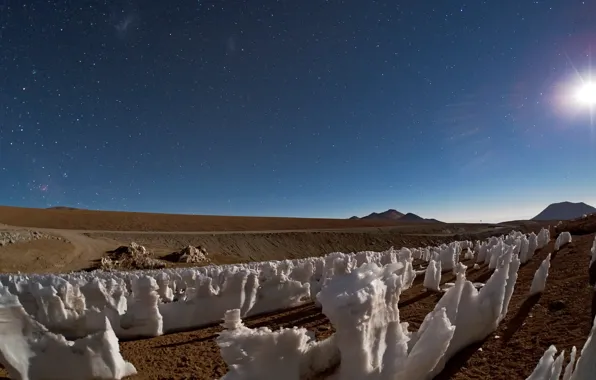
(133, 256)
(191, 254)
(556, 305)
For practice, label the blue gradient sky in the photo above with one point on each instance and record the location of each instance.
(459, 112)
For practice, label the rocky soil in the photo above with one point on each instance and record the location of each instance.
(24, 236)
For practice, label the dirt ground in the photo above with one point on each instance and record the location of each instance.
(86, 236)
(579, 226)
(81, 251)
(238, 248)
(74, 219)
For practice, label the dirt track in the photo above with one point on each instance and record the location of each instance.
(89, 234)
(82, 250)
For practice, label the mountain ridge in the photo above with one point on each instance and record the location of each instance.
(565, 211)
(395, 215)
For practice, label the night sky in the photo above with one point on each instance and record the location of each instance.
(448, 109)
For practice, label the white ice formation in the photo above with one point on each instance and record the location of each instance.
(29, 351)
(549, 368)
(153, 302)
(543, 237)
(539, 280)
(563, 239)
(432, 277)
(371, 342)
(593, 252)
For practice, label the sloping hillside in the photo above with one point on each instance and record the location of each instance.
(395, 215)
(390, 214)
(565, 211)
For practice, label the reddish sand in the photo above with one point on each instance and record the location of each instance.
(136, 221)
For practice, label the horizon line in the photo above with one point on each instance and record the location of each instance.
(188, 213)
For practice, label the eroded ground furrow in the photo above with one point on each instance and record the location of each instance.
(195, 355)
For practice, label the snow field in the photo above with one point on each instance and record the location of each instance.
(372, 343)
(370, 340)
(150, 303)
(29, 351)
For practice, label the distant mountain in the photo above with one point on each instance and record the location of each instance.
(392, 214)
(62, 208)
(565, 211)
(410, 217)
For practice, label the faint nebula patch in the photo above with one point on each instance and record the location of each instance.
(124, 24)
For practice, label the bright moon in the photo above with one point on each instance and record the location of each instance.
(587, 94)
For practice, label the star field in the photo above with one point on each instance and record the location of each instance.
(318, 108)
